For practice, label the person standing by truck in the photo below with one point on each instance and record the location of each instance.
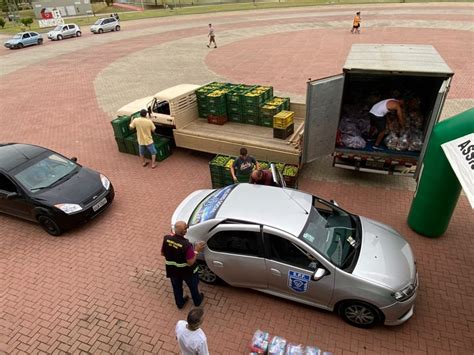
(378, 118)
(356, 23)
(243, 166)
(145, 127)
(262, 177)
(212, 37)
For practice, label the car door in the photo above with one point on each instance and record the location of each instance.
(26, 39)
(290, 267)
(235, 253)
(108, 24)
(161, 112)
(72, 30)
(19, 205)
(66, 31)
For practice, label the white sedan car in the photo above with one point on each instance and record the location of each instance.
(297, 246)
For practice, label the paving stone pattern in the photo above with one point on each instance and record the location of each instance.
(101, 289)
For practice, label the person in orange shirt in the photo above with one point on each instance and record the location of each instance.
(356, 23)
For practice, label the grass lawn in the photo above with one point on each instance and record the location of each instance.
(101, 10)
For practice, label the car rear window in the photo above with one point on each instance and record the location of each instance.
(209, 206)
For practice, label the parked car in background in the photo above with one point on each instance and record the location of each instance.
(24, 39)
(105, 25)
(291, 244)
(65, 31)
(43, 186)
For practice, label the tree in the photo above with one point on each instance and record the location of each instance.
(27, 21)
(2, 22)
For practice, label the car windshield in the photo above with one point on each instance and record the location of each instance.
(18, 35)
(209, 206)
(98, 22)
(332, 233)
(46, 172)
(58, 28)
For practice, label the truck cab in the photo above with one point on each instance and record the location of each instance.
(174, 107)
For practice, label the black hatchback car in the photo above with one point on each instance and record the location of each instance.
(43, 186)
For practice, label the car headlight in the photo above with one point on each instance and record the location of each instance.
(68, 207)
(105, 182)
(406, 293)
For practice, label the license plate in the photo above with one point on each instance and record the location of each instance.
(99, 204)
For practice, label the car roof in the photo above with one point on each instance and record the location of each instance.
(284, 209)
(14, 154)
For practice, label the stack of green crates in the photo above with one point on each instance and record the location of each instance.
(127, 139)
(162, 146)
(217, 167)
(201, 95)
(121, 131)
(221, 176)
(252, 101)
(271, 108)
(235, 102)
(217, 100)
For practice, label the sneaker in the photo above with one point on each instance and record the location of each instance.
(202, 299)
(186, 299)
(377, 147)
(215, 47)
(207, 46)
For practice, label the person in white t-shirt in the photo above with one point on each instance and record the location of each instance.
(191, 338)
(378, 119)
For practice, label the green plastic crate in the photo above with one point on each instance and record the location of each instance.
(163, 149)
(218, 110)
(120, 126)
(263, 164)
(251, 119)
(236, 117)
(233, 108)
(131, 144)
(265, 121)
(235, 96)
(121, 145)
(250, 110)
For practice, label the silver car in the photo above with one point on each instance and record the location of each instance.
(297, 246)
(105, 25)
(64, 31)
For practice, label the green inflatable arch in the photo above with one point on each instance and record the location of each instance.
(438, 188)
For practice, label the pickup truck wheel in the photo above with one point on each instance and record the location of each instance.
(78, 34)
(50, 226)
(19, 45)
(117, 28)
(206, 275)
(359, 314)
(100, 30)
(60, 37)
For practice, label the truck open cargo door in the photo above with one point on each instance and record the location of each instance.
(434, 118)
(323, 106)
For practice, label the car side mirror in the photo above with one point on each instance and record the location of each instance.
(149, 111)
(277, 177)
(319, 274)
(74, 159)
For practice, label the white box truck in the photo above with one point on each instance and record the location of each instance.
(370, 72)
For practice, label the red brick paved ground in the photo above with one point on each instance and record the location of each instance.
(101, 288)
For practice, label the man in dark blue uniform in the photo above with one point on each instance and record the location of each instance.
(180, 264)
